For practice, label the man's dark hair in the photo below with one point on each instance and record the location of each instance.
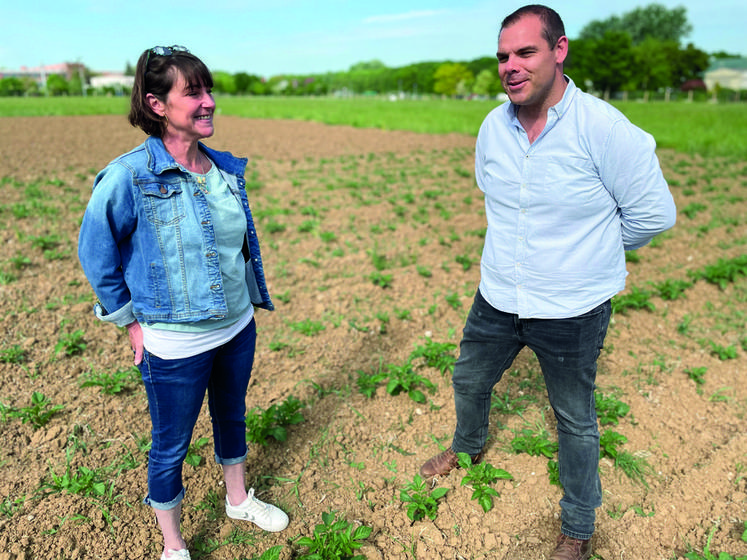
(553, 28)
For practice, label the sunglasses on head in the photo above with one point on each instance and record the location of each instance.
(163, 51)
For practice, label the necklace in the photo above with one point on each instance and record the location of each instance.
(202, 179)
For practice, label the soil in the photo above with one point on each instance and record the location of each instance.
(335, 206)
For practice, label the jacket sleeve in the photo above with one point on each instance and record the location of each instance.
(108, 222)
(631, 172)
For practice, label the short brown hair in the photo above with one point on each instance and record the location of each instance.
(156, 74)
(553, 28)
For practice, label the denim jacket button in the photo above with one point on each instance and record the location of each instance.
(163, 190)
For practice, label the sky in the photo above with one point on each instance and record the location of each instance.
(273, 37)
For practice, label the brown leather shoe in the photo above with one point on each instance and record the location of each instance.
(443, 463)
(571, 549)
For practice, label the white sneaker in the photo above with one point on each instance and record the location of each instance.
(265, 516)
(182, 554)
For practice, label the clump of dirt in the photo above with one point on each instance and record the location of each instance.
(371, 241)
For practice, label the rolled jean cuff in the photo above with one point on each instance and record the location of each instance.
(165, 506)
(232, 461)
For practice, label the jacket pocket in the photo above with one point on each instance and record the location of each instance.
(163, 203)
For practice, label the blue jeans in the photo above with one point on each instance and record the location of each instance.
(567, 350)
(176, 390)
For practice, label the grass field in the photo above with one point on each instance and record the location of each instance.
(702, 128)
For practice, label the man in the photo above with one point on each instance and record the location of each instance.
(569, 185)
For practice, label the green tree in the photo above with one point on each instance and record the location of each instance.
(223, 82)
(448, 76)
(11, 86)
(485, 83)
(654, 20)
(652, 60)
(608, 62)
(56, 84)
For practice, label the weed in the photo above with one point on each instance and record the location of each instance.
(212, 505)
(480, 477)
(507, 405)
(636, 468)
(263, 424)
(708, 555)
(422, 503)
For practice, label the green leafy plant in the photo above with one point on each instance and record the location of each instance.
(672, 289)
(697, 374)
(380, 279)
(422, 502)
(638, 298)
(39, 413)
(708, 555)
(272, 422)
(71, 343)
(81, 480)
(308, 327)
(610, 409)
(608, 442)
(439, 355)
(533, 443)
(723, 353)
(334, 539)
(112, 383)
(724, 271)
(13, 355)
(405, 379)
(193, 452)
(635, 467)
(480, 476)
(692, 209)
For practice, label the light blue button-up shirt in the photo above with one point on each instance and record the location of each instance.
(563, 210)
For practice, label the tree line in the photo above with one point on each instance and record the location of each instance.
(638, 52)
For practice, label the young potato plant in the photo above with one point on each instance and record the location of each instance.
(38, 414)
(272, 422)
(609, 409)
(422, 502)
(334, 539)
(479, 477)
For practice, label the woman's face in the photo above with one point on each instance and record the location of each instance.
(189, 110)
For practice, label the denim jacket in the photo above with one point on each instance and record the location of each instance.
(146, 255)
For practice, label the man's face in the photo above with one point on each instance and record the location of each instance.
(527, 66)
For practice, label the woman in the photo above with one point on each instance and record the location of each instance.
(169, 246)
